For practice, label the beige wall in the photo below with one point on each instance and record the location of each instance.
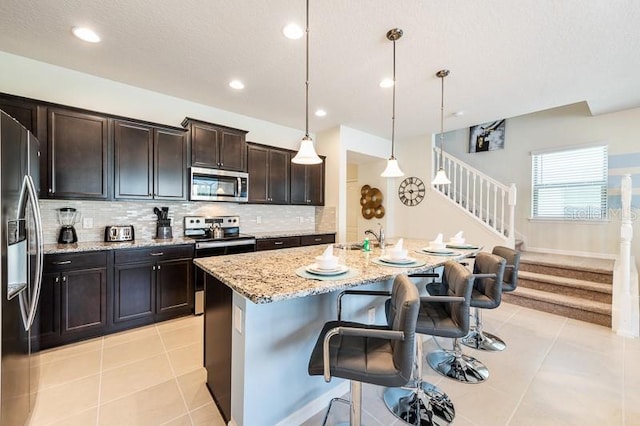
(564, 126)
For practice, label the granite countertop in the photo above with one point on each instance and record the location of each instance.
(269, 276)
(282, 234)
(86, 246)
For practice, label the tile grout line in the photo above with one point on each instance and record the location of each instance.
(555, 340)
(100, 382)
(173, 371)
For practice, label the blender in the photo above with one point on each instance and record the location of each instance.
(67, 216)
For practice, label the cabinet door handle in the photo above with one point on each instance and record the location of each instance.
(153, 268)
(278, 243)
(157, 254)
(64, 278)
(62, 262)
(57, 279)
(158, 267)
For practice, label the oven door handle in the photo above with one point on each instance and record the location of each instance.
(216, 244)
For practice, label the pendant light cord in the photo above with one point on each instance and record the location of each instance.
(393, 111)
(306, 83)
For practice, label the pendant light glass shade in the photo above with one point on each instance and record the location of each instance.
(393, 170)
(307, 153)
(441, 177)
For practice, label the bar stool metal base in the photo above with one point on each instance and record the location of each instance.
(483, 341)
(426, 405)
(460, 367)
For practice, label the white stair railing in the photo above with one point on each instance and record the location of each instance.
(492, 203)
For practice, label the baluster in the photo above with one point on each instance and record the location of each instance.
(480, 198)
(475, 206)
(502, 212)
(487, 215)
(467, 199)
(495, 207)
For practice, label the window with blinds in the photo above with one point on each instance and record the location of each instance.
(570, 184)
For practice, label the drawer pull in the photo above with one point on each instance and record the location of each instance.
(278, 243)
(62, 262)
(157, 254)
(317, 239)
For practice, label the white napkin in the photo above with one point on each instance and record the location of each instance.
(328, 253)
(458, 236)
(438, 238)
(398, 246)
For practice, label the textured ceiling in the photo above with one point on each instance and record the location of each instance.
(506, 57)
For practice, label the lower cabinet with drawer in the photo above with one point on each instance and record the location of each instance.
(277, 243)
(310, 240)
(73, 298)
(151, 284)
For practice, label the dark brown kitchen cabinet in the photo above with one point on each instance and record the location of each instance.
(216, 146)
(152, 284)
(268, 174)
(277, 243)
(307, 184)
(78, 154)
(150, 161)
(311, 240)
(24, 111)
(73, 298)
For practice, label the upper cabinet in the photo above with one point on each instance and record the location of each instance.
(23, 110)
(307, 184)
(78, 147)
(150, 161)
(268, 174)
(215, 146)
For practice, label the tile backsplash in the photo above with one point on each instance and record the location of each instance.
(140, 215)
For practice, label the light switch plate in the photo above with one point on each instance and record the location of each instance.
(87, 222)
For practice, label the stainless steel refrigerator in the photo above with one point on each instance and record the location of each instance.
(21, 270)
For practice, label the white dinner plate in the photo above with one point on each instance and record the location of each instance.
(462, 246)
(313, 269)
(437, 251)
(406, 260)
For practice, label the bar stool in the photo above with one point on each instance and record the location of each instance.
(486, 292)
(361, 353)
(445, 316)
(478, 338)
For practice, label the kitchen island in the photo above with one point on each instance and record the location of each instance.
(262, 320)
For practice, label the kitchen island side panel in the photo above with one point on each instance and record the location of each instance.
(270, 382)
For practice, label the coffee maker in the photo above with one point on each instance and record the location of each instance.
(67, 216)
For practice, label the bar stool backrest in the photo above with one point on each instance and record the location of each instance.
(490, 287)
(403, 316)
(459, 282)
(512, 257)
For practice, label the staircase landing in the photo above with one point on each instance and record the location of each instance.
(572, 286)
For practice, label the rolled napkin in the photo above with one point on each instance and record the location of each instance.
(397, 252)
(457, 239)
(327, 260)
(437, 244)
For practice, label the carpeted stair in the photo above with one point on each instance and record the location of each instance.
(571, 286)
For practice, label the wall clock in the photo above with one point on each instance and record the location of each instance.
(411, 191)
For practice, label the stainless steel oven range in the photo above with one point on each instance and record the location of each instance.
(214, 236)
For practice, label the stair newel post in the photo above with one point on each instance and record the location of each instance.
(513, 194)
(625, 319)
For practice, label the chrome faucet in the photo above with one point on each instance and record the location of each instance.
(379, 237)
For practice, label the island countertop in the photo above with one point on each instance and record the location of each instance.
(265, 277)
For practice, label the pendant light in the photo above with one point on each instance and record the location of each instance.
(307, 153)
(441, 177)
(393, 170)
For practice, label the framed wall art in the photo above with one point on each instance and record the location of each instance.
(487, 136)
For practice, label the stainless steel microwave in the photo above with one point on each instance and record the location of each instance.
(219, 185)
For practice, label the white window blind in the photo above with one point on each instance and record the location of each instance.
(570, 184)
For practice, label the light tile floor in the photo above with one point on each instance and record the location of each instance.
(555, 371)
(147, 376)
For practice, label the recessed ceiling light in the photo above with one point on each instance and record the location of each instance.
(387, 82)
(236, 84)
(293, 31)
(321, 113)
(86, 34)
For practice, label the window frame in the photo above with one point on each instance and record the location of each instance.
(586, 215)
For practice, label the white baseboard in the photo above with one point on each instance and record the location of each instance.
(611, 256)
(312, 408)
